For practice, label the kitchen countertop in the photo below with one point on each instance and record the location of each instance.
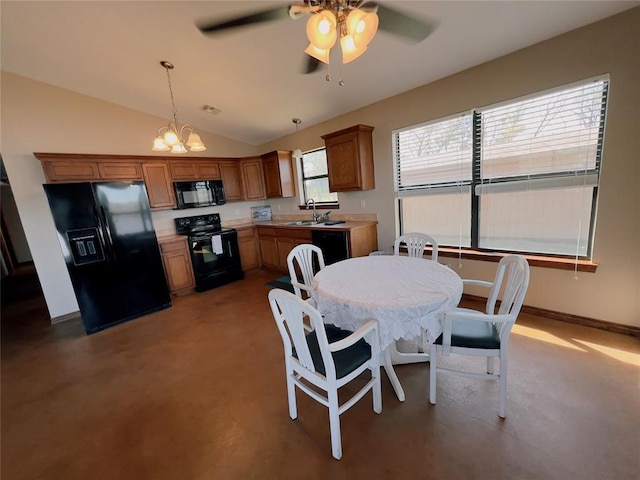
(346, 226)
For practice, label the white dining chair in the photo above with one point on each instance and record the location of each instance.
(322, 361)
(485, 334)
(415, 243)
(303, 262)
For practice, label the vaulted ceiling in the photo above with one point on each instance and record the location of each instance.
(112, 50)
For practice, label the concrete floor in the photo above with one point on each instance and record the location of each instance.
(197, 392)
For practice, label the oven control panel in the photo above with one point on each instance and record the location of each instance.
(199, 223)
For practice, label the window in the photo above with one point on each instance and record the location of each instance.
(315, 178)
(521, 176)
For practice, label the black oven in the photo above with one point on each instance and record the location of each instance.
(203, 193)
(214, 250)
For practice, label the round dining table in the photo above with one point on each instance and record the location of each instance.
(405, 295)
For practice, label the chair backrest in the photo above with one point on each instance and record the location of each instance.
(415, 243)
(289, 312)
(509, 286)
(304, 260)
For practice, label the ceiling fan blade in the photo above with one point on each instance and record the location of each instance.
(310, 65)
(212, 27)
(393, 21)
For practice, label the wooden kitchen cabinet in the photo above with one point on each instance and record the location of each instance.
(194, 170)
(230, 174)
(278, 174)
(268, 248)
(249, 248)
(350, 159)
(252, 178)
(177, 265)
(276, 243)
(61, 171)
(120, 170)
(157, 178)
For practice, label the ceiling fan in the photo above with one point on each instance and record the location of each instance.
(351, 24)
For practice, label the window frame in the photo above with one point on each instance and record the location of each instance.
(304, 179)
(476, 184)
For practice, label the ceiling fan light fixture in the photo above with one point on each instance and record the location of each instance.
(318, 53)
(321, 30)
(362, 26)
(350, 50)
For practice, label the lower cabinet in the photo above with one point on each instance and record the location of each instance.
(249, 249)
(177, 265)
(276, 243)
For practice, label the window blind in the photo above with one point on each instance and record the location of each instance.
(434, 158)
(542, 139)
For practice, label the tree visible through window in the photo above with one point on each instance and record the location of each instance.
(315, 177)
(520, 176)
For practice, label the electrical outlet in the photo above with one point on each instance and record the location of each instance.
(363, 204)
(279, 208)
(237, 211)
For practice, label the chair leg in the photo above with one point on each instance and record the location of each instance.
(334, 424)
(376, 389)
(432, 374)
(503, 386)
(490, 365)
(291, 394)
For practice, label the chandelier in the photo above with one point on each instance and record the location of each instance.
(172, 137)
(340, 20)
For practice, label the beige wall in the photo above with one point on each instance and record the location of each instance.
(38, 117)
(610, 46)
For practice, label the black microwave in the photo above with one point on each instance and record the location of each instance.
(203, 193)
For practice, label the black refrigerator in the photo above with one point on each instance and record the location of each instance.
(111, 250)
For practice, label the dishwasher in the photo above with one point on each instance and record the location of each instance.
(334, 245)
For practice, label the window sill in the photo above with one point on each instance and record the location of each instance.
(534, 260)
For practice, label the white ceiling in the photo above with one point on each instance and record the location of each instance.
(112, 50)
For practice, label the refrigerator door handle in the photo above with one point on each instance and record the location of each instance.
(107, 230)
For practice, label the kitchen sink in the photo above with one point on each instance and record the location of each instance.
(303, 223)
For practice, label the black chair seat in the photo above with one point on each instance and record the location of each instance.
(347, 360)
(473, 334)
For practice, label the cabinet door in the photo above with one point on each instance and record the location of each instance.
(157, 178)
(249, 255)
(268, 251)
(285, 245)
(177, 266)
(208, 170)
(120, 170)
(183, 171)
(230, 174)
(71, 171)
(350, 159)
(342, 161)
(252, 178)
(278, 174)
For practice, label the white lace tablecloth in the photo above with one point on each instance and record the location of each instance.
(404, 294)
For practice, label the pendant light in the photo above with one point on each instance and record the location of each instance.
(171, 137)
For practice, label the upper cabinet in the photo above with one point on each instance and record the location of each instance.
(252, 178)
(157, 179)
(195, 170)
(278, 174)
(350, 159)
(230, 174)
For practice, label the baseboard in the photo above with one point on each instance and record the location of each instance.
(570, 318)
(66, 318)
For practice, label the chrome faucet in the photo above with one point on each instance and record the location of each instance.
(313, 204)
